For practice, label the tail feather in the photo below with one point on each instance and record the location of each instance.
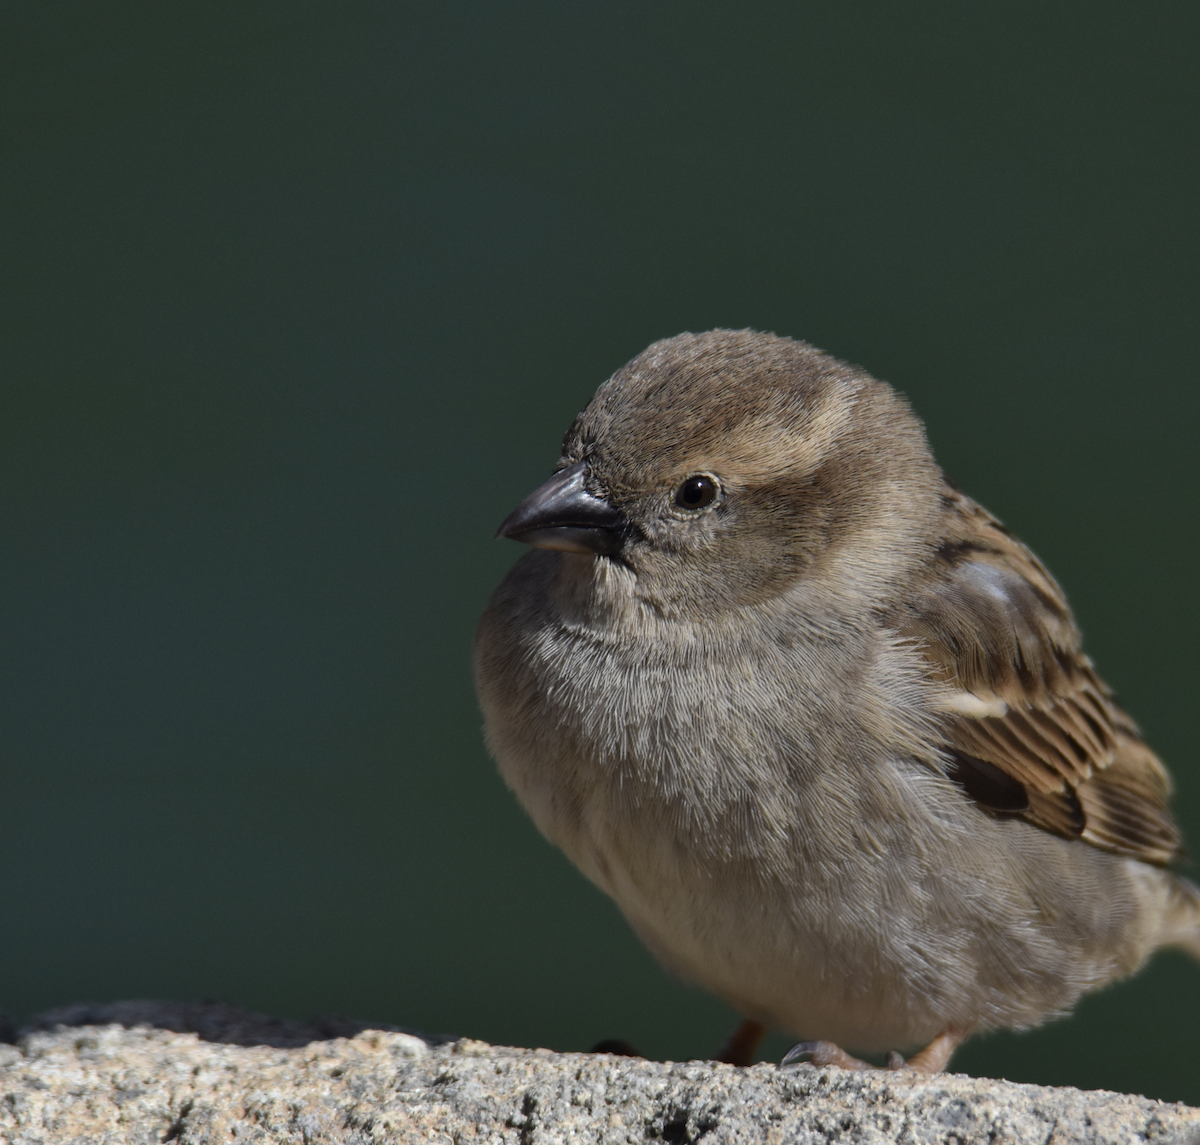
(1181, 927)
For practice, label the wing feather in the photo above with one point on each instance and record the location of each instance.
(1021, 696)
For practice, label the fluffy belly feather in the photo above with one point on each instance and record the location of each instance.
(913, 947)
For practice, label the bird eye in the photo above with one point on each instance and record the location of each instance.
(696, 492)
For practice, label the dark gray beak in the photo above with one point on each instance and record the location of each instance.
(563, 515)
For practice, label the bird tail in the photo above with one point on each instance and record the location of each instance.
(1181, 927)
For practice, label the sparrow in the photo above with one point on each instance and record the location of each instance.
(814, 719)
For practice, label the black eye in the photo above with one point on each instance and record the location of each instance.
(696, 492)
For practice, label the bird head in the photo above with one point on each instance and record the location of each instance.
(720, 469)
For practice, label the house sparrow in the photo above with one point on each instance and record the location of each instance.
(811, 716)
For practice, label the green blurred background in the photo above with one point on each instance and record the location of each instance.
(298, 299)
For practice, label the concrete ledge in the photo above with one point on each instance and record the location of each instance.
(192, 1074)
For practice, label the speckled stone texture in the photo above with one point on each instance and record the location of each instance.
(192, 1074)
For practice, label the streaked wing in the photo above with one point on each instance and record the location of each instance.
(1030, 728)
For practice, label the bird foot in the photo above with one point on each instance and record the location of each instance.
(823, 1054)
(931, 1060)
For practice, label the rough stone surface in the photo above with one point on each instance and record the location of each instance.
(191, 1074)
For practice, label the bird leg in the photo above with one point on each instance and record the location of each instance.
(936, 1056)
(741, 1044)
(932, 1059)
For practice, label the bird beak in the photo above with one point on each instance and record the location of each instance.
(563, 515)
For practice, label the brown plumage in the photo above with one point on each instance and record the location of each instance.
(995, 627)
(815, 721)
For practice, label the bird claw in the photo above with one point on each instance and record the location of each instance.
(822, 1054)
(800, 1052)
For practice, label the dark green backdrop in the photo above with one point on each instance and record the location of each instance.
(298, 299)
